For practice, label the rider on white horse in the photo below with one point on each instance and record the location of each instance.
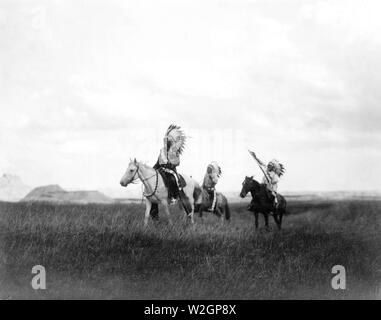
(213, 173)
(169, 159)
(156, 190)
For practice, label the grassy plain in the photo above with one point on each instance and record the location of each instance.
(104, 252)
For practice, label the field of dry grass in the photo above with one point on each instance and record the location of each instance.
(103, 251)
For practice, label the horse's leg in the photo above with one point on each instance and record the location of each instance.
(256, 215)
(192, 205)
(221, 214)
(188, 201)
(191, 215)
(220, 209)
(227, 213)
(280, 217)
(164, 202)
(198, 209)
(276, 217)
(154, 213)
(148, 210)
(266, 220)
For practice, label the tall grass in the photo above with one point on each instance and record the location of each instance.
(103, 251)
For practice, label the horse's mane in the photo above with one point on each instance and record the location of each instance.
(252, 178)
(262, 186)
(144, 164)
(141, 163)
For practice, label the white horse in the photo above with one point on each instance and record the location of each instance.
(155, 190)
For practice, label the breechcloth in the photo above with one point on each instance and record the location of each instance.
(170, 177)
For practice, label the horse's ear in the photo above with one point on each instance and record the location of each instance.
(252, 178)
(135, 161)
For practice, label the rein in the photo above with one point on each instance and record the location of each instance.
(146, 179)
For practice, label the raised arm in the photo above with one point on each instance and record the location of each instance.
(260, 162)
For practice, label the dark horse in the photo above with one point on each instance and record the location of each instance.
(263, 202)
(222, 209)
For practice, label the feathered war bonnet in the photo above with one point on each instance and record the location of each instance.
(278, 167)
(176, 137)
(215, 168)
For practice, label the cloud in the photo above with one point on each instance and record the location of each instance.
(87, 85)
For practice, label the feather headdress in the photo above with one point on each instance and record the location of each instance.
(176, 137)
(216, 168)
(278, 167)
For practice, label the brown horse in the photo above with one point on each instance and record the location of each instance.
(222, 209)
(263, 203)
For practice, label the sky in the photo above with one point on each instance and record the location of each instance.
(87, 85)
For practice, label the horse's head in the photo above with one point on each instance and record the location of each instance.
(248, 185)
(131, 174)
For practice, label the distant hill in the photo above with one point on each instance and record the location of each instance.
(333, 195)
(315, 195)
(131, 192)
(54, 193)
(12, 188)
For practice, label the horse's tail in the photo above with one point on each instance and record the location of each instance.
(227, 210)
(284, 204)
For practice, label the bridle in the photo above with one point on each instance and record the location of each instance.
(248, 189)
(146, 179)
(133, 179)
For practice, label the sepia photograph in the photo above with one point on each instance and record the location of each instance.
(187, 150)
